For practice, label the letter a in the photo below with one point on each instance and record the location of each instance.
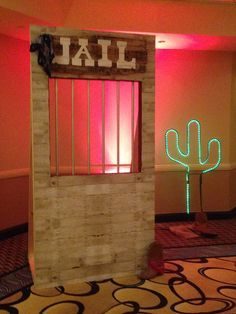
(83, 50)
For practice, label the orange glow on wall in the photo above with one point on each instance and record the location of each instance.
(14, 105)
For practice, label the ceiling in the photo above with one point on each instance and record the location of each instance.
(212, 1)
(17, 15)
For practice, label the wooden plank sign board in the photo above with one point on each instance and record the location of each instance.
(98, 54)
(90, 227)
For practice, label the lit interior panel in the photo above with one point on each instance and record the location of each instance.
(94, 126)
(96, 122)
(111, 126)
(80, 126)
(64, 101)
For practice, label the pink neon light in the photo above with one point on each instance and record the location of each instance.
(108, 124)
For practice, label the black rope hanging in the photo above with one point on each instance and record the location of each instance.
(45, 52)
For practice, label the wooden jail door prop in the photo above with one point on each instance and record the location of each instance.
(91, 218)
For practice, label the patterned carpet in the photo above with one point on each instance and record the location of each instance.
(13, 253)
(224, 228)
(198, 286)
(176, 247)
(14, 269)
(16, 280)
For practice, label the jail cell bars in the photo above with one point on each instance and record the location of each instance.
(95, 127)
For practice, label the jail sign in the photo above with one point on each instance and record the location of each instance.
(98, 55)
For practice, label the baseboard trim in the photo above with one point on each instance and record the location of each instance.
(175, 167)
(184, 217)
(10, 232)
(14, 173)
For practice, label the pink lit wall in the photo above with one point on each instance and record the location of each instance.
(193, 84)
(14, 131)
(233, 137)
(188, 84)
(14, 104)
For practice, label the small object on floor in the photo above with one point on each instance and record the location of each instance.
(202, 230)
(183, 231)
(155, 262)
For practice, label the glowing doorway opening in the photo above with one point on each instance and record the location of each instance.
(95, 126)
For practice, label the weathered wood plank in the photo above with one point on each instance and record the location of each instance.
(99, 226)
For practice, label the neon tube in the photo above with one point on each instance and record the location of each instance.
(184, 156)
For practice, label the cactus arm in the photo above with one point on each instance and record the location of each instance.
(213, 140)
(200, 159)
(178, 148)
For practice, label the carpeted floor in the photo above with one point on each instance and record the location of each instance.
(224, 228)
(13, 253)
(15, 273)
(176, 247)
(198, 286)
(14, 268)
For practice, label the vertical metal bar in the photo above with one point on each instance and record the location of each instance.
(72, 129)
(88, 126)
(118, 124)
(56, 128)
(103, 127)
(132, 127)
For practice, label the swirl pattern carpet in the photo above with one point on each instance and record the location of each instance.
(196, 286)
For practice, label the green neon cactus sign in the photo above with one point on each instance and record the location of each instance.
(184, 158)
